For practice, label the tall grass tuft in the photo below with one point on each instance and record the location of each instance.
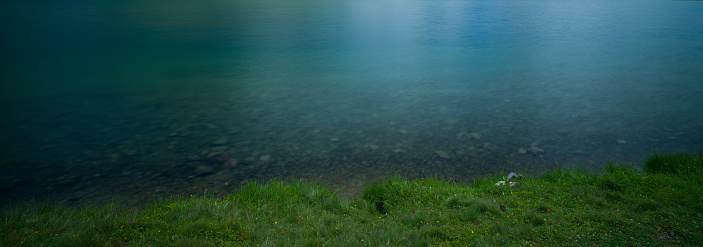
(667, 163)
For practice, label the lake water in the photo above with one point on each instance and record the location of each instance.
(128, 98)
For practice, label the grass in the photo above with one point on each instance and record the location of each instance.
(660, 206)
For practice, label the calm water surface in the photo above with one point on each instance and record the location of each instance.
(128, 98)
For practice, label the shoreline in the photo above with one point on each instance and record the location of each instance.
(659, 205)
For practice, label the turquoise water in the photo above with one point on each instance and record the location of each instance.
(104, 98)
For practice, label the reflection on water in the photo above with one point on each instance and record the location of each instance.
(104, 99)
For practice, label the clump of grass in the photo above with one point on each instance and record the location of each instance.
(544, 208)
(49, 224)
(596, 201)
(647, 205)
(486, 206)
(606, 217)
(667, 163)
(534, 218)
(609, 183)
(613, 196)
(459, 202)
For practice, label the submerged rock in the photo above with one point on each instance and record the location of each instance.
(218, 157)
(203, 171)
(535, 150)
(193, 158)
(442, 154)
(265, 157)
(219, 142)
(230, 164)
(475, 135)
(193, 164)
(219, 148)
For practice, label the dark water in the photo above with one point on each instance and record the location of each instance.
(106, 98)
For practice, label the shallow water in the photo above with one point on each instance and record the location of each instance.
(103, 99)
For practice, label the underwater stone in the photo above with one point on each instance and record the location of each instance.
(442, 154)
(475, 135)
(203, 171)
(230, 164)
(193, 158)
(218, 157)
(535, 150)
(219, 148)
(219, 142)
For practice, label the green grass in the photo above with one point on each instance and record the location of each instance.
(660, 206)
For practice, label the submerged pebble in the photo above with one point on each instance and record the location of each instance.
(219, 142)
(265, 157)
(442, 154)
(535, 150)
(218, 157)
(230, 164)
(203, 171)
(219, 148)
(476, 135)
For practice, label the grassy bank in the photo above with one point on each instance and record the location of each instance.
(660, 206)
